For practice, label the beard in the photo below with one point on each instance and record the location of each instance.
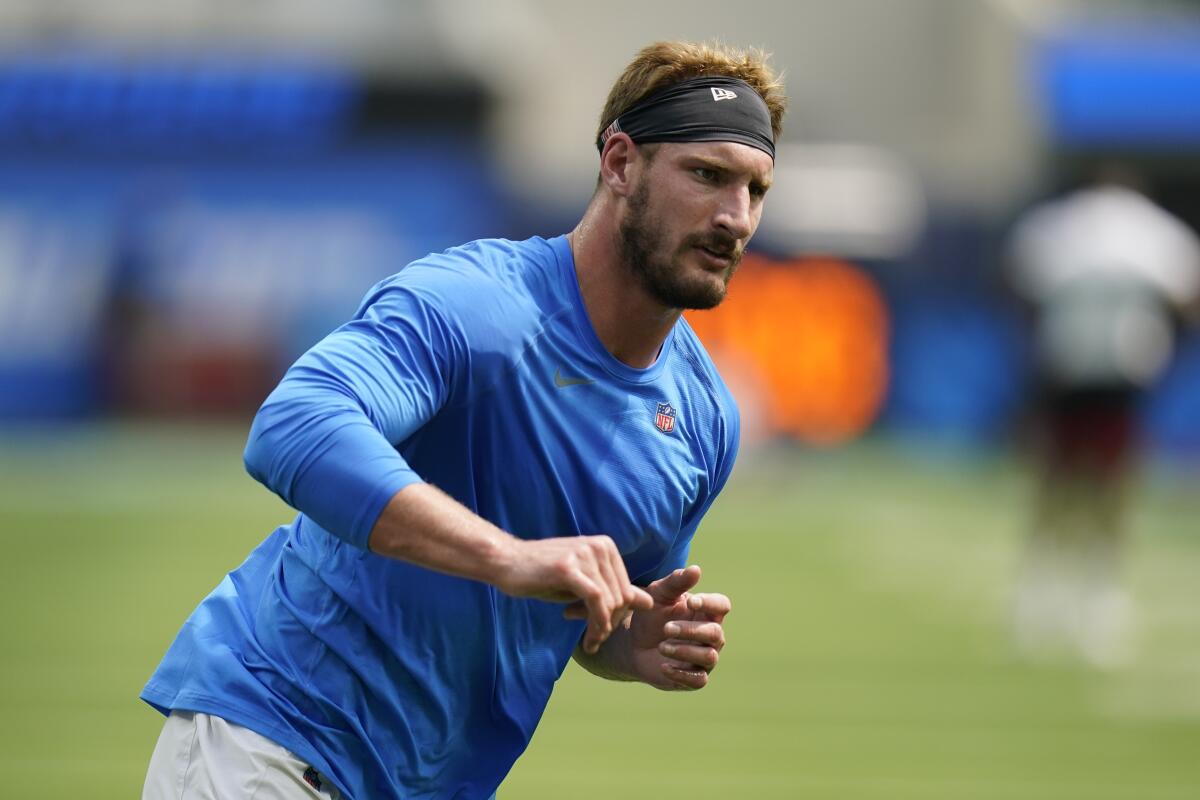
(644, 247)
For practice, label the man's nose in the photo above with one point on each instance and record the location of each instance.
(734, 214)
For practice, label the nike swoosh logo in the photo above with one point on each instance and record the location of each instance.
(561, 382)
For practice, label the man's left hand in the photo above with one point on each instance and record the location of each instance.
(677, 643)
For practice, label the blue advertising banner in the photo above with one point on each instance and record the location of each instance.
(133, 273)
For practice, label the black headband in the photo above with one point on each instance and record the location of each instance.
(710, 108)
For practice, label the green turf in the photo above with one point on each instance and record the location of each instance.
(867, 654)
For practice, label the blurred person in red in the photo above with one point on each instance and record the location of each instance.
(1108, 277)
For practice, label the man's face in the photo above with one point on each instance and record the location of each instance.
(691, 213)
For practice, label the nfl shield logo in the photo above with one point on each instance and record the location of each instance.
(664, 418)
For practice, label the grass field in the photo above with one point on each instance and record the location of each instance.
(867, 656)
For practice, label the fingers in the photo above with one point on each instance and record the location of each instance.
(610, 575)
(695, 631)
(606, 593)
(691, 656)
(624, 596)
(627, 597)
(683, 677)
(585, 571)
(669, 589)
(712, 605)
(638, 598)
(599, 614)
(691, 650)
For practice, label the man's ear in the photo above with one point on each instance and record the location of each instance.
(617, 160)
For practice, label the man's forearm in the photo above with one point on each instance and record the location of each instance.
(614, 660)
(422, 525)
(425, 526)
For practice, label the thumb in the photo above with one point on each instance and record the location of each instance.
(666, 591)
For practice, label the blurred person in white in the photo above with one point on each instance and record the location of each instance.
(1109, 278)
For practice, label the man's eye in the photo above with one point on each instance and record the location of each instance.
(705, 173)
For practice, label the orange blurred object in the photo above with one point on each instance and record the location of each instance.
(814, 335)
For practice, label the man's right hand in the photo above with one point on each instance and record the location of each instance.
(585, 571)
(423, 525)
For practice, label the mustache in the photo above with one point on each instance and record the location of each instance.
(716, 242)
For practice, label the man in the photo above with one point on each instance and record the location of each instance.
(1108, 276)
(402, 640)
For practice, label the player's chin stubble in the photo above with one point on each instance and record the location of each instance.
(644, 249)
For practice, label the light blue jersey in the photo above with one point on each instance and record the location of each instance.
(478, 371)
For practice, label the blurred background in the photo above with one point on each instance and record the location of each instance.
(194, 192)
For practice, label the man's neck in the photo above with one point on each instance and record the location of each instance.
(631, 324)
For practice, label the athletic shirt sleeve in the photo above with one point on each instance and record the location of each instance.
(325, 439)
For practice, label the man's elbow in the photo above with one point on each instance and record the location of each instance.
(274, 432)
(260, 444)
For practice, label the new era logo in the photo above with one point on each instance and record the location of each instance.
(722, 94)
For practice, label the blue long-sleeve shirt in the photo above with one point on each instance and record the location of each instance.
(476, 370)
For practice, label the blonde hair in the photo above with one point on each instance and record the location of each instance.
(665, 63)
